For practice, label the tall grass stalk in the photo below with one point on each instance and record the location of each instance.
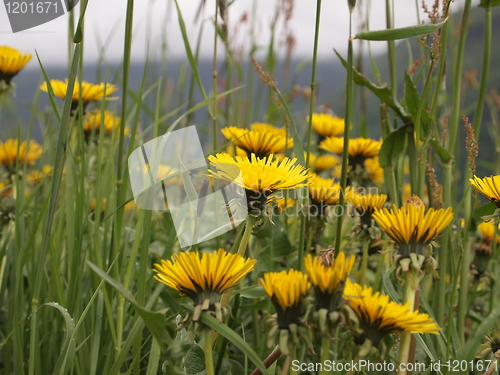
(58, 167)
(348, 116)
(214, 75)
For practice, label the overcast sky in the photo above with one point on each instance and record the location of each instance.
(156, 20)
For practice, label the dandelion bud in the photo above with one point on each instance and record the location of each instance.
(352, 4)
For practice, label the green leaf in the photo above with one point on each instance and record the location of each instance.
(274, 238)
(393, 147)
(412, 101)
(155, 321)
(252, 292)
(389, 286)
(411, 95)
(384, 93)
(443, 153)
(232, 336)
(275, 246)
(486, 209)
(469, 350)
(65, 360)
(489, 3)
(194, 362)
(401, 33)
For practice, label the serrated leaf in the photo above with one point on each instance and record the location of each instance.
(443, 153)
(393, 147)
(401, 33)
(484, 210)
(384, 93)
(194, 362)
(232, 336)
(155, 321)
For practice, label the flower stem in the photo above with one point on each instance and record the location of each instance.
(246, 235)
(290, 359)
(209, 358)
(313, 80)
(325, 353)
(214, 76)
(241, 251)
(364, 262)
(345, 153)
(391, 48)
(410, 291)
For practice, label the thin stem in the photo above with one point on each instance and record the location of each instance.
(393, 187)
(290, 359)
(325, 354)
(457, 81)
(364, 262)
(241, 251)
(440, 83)
(214, 73)
(463, 291)
(464, 278)
(412, 156)
(246, 235)
(313, 79)
(273, 357)
(391, 46)
(54, 194)
(443, 251)
(345, 153)
(410, 291)
(209, 358)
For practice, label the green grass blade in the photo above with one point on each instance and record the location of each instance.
(400, 33)
(65, 360)
(155, 321)
(232, 336)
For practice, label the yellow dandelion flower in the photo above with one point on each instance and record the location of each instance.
(5, 190)
(367, 203)
(324, 190)
(312, 159)
(325, 162)
(282, 204)
(90, 92)
(327, 125)
(378, 316)
(328, 282)
(262, 140)
(287, 290)
(93, 204)
(28, 153)
(111, 123)
(487, 231)
(36, 176)
(11, 63)
(260, 177)
(411, 227)
(203, 278)
(359, 148)
(489, 187)
(483, 251)
(375, 171)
